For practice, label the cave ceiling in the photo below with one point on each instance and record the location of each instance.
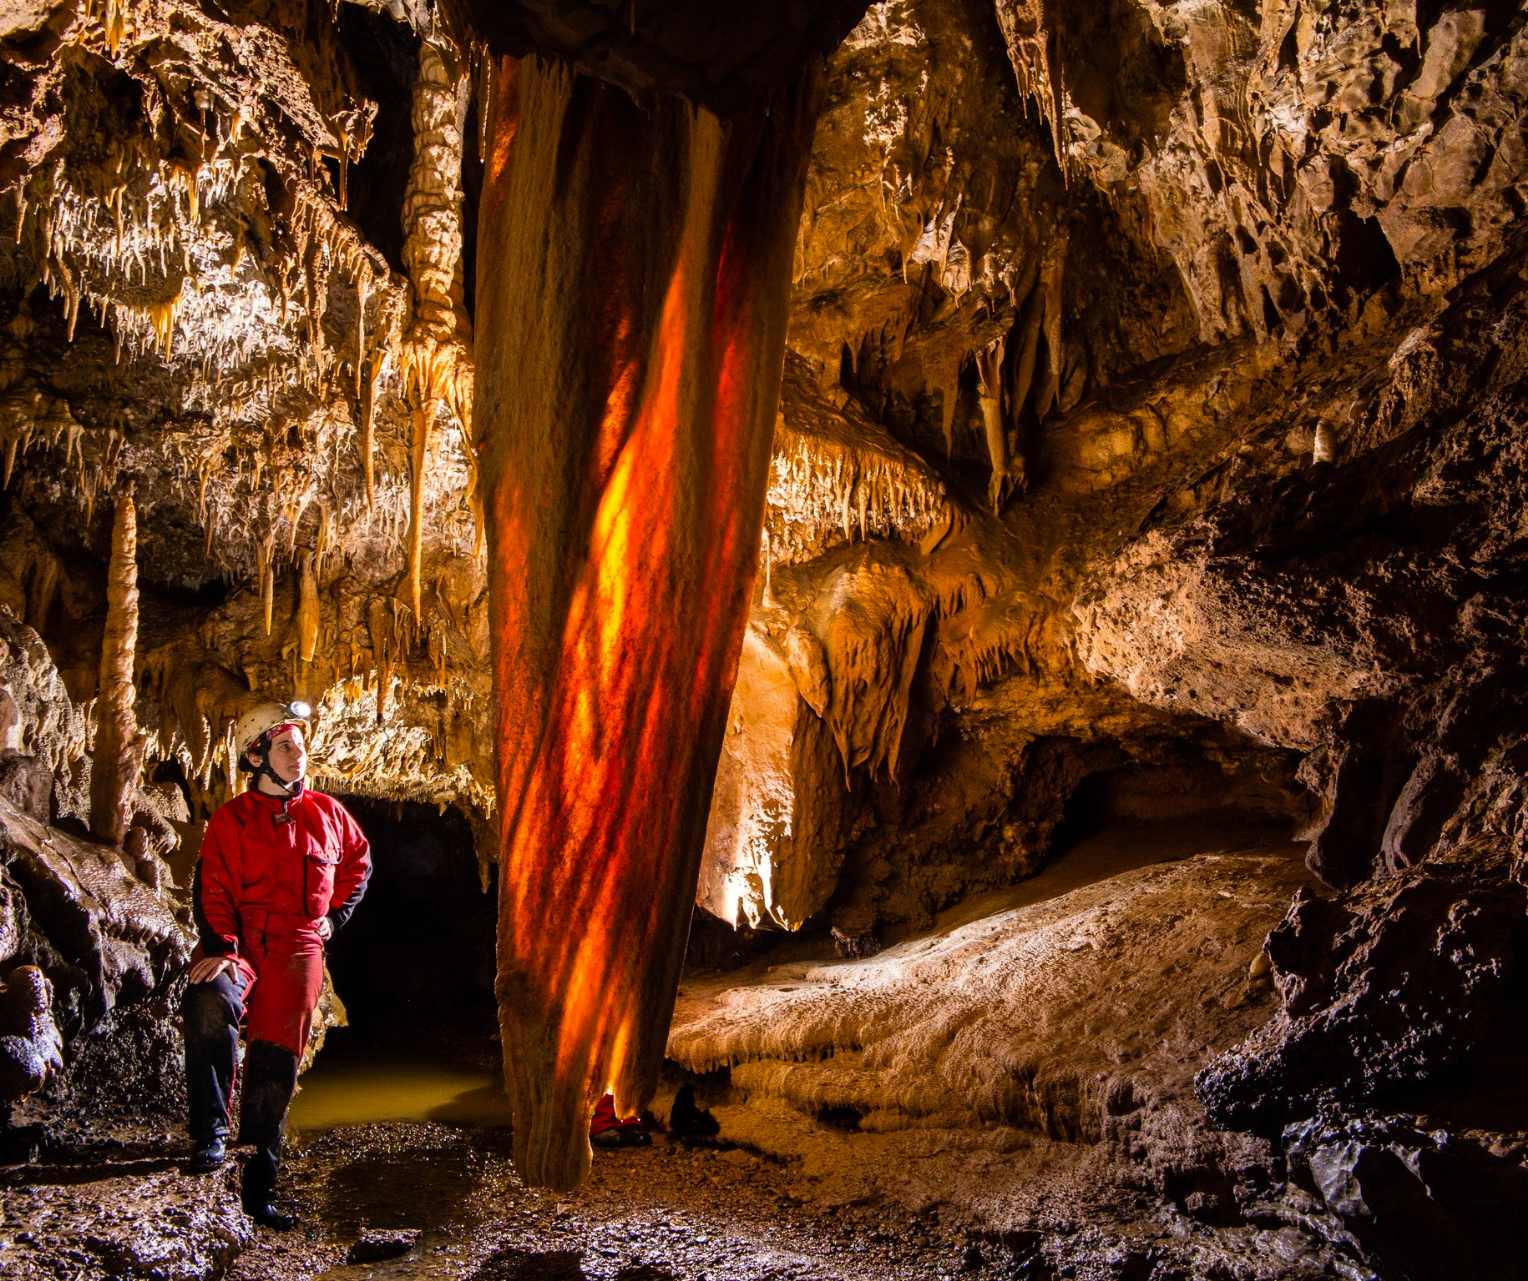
(1081, 296)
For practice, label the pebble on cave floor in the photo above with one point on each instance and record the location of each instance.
(411, 1201)
(670, 1211)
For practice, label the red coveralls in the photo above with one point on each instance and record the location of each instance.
(263, 888)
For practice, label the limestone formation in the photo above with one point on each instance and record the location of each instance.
(1130, 431)
(117, 750)
(961, 1027)
(106, 939)
(31, 1046)
(437, 368)
(1356, 1030)
(629, 384)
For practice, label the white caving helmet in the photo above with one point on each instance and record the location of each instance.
(252, 733)
(251, 729)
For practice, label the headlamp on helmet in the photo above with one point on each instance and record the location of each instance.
(253, 730)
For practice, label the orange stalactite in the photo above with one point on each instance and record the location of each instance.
(632, 292)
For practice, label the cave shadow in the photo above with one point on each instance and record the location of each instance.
(414, 966)
(414, 970)
(88, 1169)
(477, 1107)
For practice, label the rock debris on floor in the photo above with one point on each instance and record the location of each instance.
(668, 1211)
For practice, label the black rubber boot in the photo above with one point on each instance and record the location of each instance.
(270, 1078)
(211, 1013)
(206, 1157)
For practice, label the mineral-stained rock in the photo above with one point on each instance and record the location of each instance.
(1430, 1204)
(629, 349)
(1389, 992)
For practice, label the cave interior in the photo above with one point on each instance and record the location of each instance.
(941, 581)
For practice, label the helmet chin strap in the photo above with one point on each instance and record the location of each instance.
(293, 789)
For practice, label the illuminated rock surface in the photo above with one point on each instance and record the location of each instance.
(1150, 444)
(631, 336)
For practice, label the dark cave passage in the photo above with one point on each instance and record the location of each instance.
(414, 969)
(415, 963)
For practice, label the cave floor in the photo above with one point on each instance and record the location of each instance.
(668, 1211)
(786, 1197)
(120, 1205)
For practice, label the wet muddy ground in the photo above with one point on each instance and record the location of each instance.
(123, 1207)
(668, 1211)
(116, 1203)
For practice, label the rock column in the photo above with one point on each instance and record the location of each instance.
(436, 360)
(117, 750)
(633, 280)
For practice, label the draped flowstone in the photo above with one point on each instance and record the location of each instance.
(633, 276)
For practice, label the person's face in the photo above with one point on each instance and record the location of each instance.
(288, 754)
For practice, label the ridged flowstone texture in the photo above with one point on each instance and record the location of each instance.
(634, 270)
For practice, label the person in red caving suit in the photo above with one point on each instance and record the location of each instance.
(282, 867)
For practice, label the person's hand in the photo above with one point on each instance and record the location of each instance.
(325, 929)
(208, 968)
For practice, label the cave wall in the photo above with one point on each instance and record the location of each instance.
(1151, 411)
(1022, 278)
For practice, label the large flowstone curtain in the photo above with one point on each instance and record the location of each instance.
(634, 266)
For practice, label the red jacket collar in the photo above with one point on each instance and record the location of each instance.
(257, 799)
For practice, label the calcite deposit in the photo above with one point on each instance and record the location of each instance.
(632, 338)
(809, 465)
(31, 1046)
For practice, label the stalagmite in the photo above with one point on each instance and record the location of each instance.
(41, 591)
(381, 653)
(1050, 326)
(322, 539)
(422, 421)
(368, 433)
(634, 270)
(267, 574)
(117, 749)
(1029, 347)
(362, 285)
(1324, 449)
(307, 612)
(436, 358)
